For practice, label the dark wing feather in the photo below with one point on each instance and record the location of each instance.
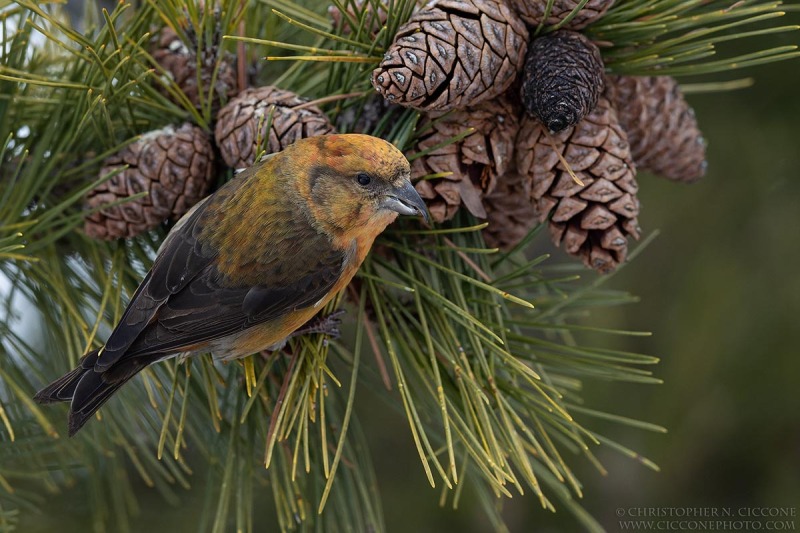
(180, 251)
(207, 309)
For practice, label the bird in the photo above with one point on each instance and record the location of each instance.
(252, 263)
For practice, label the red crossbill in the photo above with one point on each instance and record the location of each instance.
(251, 263)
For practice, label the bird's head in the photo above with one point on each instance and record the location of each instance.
(355, 182)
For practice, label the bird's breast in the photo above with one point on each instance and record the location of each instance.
(261, 337)
(264, 336)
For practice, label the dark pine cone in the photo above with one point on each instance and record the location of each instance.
(563, 79)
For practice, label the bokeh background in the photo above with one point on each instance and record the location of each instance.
(720, 291)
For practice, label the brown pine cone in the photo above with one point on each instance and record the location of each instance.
(243, 123)
(532, 12)
(179, 60)
(174, 165)
(452, 54)
(510, 212)
(563, 79)
(592, 220)
(476, 161)
(662, 128)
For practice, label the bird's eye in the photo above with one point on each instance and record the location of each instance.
(363, 179)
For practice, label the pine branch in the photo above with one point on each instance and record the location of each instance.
(490, 387)
(678, 38)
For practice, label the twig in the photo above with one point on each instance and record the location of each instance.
(279, 402)
(373, 342)
(468, 261)
(561, 158)
(332, 98)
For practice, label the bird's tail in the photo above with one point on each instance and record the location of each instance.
(63, 389)
(85, 388)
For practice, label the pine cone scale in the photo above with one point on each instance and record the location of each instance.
(469, 30)
(609, 167)
(413, 63)
(602, 191)
(580, 157)
(573, 238)
(626, 206)
(567, 186)
(494, 33)
(597, 217)
(568, 208)
(627, 183)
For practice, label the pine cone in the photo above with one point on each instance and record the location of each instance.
(563, 79)
(452, 54)
(179, 60)
(532, 12)
(510, 211)
(237, 130)
(591, 221)
(476, 161)
(662, 128)
(175, 166)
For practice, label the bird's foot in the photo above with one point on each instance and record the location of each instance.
(326, 325)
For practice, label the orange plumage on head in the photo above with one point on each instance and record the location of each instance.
(252, 262)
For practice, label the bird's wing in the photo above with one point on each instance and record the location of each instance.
(209, 307)
(164, 279)
(185, 301)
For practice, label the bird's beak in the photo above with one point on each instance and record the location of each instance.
(406, 201)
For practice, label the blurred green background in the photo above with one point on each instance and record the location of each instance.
(719, 291)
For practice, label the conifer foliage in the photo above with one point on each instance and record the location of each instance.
(114, 123)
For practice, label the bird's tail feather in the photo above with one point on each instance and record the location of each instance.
(62, 389)
(90, 394)
(85, 388)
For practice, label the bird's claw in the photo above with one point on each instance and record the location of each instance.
(327, 325)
